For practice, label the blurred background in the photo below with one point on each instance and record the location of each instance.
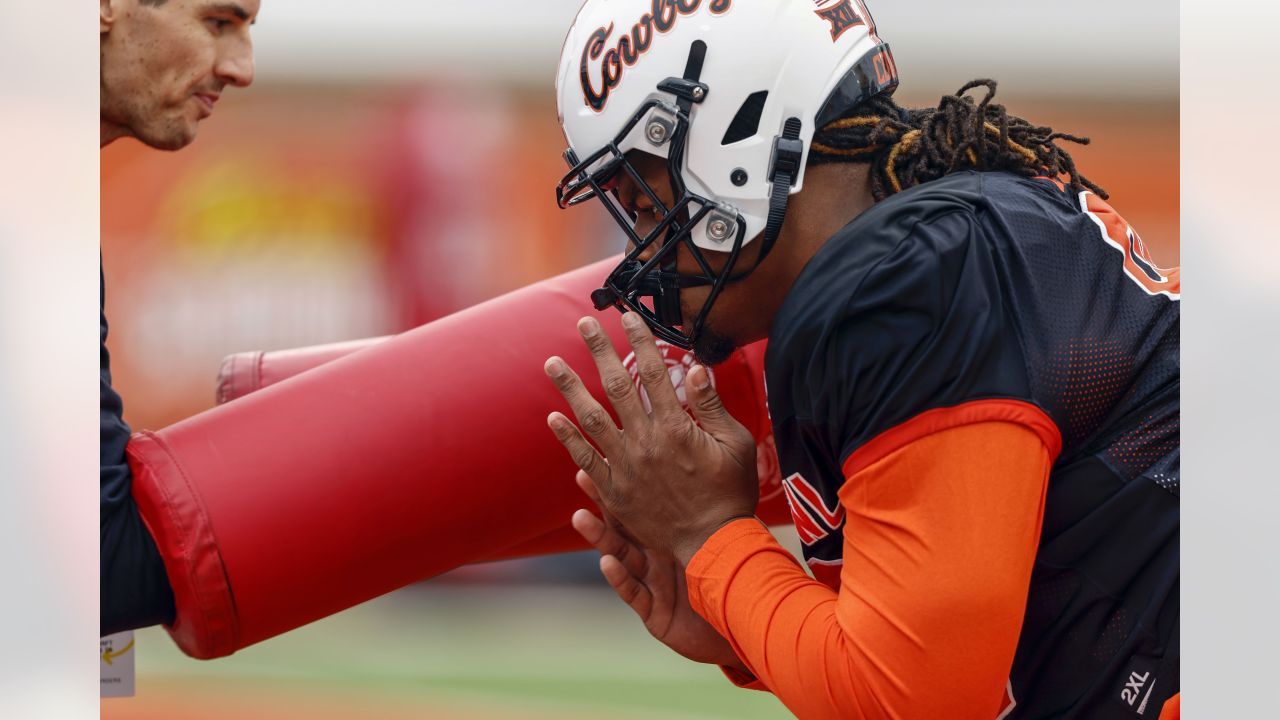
(395, 162)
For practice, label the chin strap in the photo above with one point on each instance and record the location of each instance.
(787, 153)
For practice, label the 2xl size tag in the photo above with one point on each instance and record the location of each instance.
(1138, 685)
(115, 659)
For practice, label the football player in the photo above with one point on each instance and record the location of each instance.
(972, 376)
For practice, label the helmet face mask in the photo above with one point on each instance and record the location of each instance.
(651, 287)
(728, 95)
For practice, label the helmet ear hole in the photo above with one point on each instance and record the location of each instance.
(746, 122)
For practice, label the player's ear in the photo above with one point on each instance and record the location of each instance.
(107, 12)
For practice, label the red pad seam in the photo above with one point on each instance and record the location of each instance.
(205, 626)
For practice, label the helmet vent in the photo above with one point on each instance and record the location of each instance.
(747, 121)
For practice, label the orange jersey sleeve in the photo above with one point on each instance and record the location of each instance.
(940, 538)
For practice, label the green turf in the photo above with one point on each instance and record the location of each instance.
(505, 650)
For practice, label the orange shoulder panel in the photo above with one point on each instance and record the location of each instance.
(939, 419)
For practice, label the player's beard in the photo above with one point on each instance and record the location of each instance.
(712, 348)
(709, 346)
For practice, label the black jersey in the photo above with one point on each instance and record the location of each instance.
(991, 286)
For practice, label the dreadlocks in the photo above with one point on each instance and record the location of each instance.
(908, 147)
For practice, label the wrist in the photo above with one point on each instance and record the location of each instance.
(687, 548)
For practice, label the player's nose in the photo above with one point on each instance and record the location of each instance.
(645, 224)
(647, 253)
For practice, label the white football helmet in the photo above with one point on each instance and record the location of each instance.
(729, 92)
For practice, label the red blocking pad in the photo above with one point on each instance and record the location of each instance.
(351, 471)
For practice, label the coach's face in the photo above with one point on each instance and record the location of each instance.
(165, 63)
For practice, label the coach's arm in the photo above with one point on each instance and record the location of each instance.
(134, 589)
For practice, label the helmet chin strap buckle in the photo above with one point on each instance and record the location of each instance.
(626, 288)
(666, 302)
(787, 153)
(603, 298)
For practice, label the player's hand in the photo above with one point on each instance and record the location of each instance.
(653, 585)
(670, 482)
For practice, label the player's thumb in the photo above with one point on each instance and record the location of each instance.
(706, 405)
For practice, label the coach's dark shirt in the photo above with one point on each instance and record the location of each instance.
(134, 588)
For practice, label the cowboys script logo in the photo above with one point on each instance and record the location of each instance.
(629, 47)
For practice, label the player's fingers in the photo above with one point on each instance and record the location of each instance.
(605, 537)
(614, 378)
(628, 586)
(652, 369)
(590, 527)
(623, 546)
(588, 487)
(711, 413)
(591, 415)
(583, 454)
(607, 541)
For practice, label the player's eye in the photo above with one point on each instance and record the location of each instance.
(218, 24)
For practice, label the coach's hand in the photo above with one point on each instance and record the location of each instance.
(653, 585)
(670, 483)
